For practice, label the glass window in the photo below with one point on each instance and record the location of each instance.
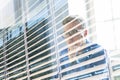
(18, 76)
(15, 62)
(16, 72)
(89, 74)
(43, 54)
(43, 61)
(44, 73)
(91, 65)
(15, 32)
(15, 57)
(117, 77)
(58, 3)
(17, 66)
(43, 67)
(32, 4)
(1, 42)
(116, 67)
(51, 77)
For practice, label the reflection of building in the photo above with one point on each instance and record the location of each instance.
(116, 69)
(115, 64)
(26, 48)
(29, 49)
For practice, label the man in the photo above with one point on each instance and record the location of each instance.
(82, 60)
(76, 34)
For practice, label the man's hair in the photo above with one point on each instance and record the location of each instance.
(73, 18)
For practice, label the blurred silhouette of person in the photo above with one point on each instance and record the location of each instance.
(76, 31)
(80, 50)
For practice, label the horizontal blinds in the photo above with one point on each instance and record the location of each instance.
(42, 38)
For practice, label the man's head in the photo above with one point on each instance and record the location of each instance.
(74, 26)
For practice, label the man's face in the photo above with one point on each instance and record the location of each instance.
(75, 33)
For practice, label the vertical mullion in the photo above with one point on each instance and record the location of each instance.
(4, 55)
(24, 20)
(52, 12)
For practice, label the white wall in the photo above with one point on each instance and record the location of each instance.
(107, 15)
(6, 13)
(77, 7)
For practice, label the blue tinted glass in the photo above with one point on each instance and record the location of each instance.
(58, 3)
(52, 77)
(116, 67)
(1, 42)
(89, 74)
(8, 34)
(21, 28)
(39, 16)
(83, 67)
(97, 54)
(65, 51)
(64, 58)
(83, 59)
(89, 48)
(105, 79)
(15, 32)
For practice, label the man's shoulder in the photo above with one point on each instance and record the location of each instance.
(91, 44)
(95, 45)
(64, 51)
(88, 47)
(92, 47)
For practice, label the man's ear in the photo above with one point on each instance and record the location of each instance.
(85, 33)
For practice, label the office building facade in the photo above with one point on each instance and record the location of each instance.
(33, 47)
